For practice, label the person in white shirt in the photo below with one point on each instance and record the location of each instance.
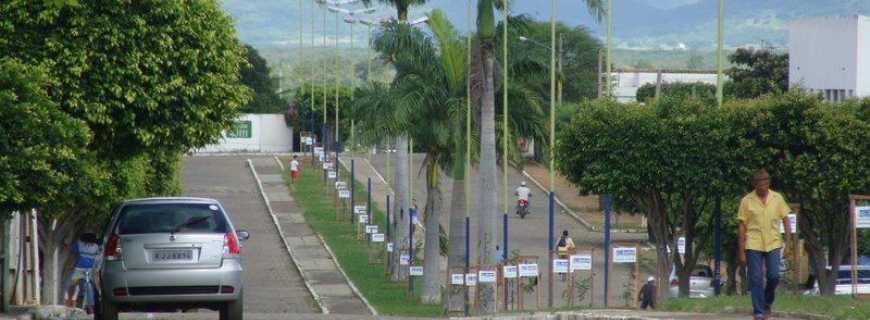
(523, 194)
(294, 170)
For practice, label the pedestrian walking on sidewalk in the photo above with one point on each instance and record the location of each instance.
(294, 170)
(565, 246)
(647, 294)
(760, 243)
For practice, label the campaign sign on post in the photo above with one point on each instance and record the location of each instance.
(457, 279)
(581, 262)
(510, 272)
(318, 150)
(416, 270)
(528, 270)
(363, 218)
(486, 276)
(681, 245)
(309, 141)
(344, 193)
(371, 229)
(862, 217)
(560, 265)
(389, 247)
(328, 165)
(378, 237)
(330, 174)
(624, 255)
(792, 221)
(359, 209)
(470, 279)
(404, 259)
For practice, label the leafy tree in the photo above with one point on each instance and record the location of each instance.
(699, 90)
(757, 72)
(149, 79)
(312, 109)
(256, 76)
(616, 149)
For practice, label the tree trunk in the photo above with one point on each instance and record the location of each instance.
(400, 240)
(487, 225)
(658, 227)
(731, 265)
(432, 250)
(56, 254)
(456, 236)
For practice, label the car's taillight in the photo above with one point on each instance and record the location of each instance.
(112, 250)
(227, 289)
(231, 243)
(675, 282)
(119, 292)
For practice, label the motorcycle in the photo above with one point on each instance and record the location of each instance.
(522, 208)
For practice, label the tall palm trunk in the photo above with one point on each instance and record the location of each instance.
(456, 234)
(400, 240)
(487, 225)
(432, 250)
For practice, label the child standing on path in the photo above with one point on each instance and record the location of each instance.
(294, 170)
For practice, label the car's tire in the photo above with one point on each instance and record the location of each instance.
(108, 311)
(233, 310)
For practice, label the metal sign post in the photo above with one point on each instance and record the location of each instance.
(860, 219)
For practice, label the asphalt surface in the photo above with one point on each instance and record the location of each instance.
(272, 284)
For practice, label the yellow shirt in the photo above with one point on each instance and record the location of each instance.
(762, 220)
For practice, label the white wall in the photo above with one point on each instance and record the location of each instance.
(269, 133)
(824, 54)
(627, 83)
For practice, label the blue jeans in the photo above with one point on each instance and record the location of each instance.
(763, 295)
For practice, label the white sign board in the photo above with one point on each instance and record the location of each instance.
(510, 272)
(560, 265)
(363, 218)
(404, 259)
(371, 229)
(318, 150)
(792, 221)
(624, 255)
(390, 247)
(340, 185)
(528, 270)
(359, 209)
(327, 165)
(470, 279)
(344, 194)
(581, 262)
(378, 237)
(457, 279)
(330, 174)
(486, 276)
(681, 245)
(416, 270)
(309, 141)
(862, 217)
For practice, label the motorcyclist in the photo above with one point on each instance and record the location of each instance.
(523, 194)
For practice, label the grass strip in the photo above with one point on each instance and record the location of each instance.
(835, 307)
(388, 297)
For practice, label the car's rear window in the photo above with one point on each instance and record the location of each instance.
(171, 217)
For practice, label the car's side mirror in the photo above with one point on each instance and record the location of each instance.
(243, 235)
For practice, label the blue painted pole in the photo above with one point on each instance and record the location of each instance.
(352, 186)
(369, 204)
(606, 247)
(467, 258)
(550, 242)
(504, 246)
(410, 250)
(389, 235)
(717, 246)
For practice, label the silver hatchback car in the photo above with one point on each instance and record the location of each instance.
(170, 254)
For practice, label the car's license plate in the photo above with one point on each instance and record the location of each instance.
(172, 255)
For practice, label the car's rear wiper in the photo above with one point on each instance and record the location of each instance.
(190, 222)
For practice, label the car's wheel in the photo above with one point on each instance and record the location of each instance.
(108, 311)
(233, 310)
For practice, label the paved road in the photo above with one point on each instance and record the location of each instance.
(529, 235)
(272, 284)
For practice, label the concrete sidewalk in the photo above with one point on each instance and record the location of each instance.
(321, 273)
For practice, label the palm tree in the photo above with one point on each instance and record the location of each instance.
(401, 142)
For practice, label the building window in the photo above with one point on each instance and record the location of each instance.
(240, 130)
(851, 93)
(828, 95)
(836, 95)
(843, 95)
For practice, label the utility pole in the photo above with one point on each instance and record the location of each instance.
(552, 148)
(719, 54)
(561, 74)
(600, 63)
(608, 83)
(506, 133)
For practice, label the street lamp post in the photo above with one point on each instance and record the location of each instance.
(552, 148)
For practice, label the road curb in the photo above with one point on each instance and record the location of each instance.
(350, 283)
(265, 198)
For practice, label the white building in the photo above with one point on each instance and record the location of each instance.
(830, 56)
(626, 83)
(255, 133)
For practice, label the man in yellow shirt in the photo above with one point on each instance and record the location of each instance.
(760, 243)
